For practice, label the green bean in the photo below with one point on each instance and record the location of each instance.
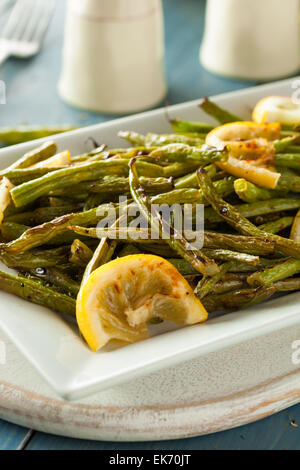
(94, 200)
(140, 237)
(255, 209)
(57, 278)
(190, 180)
(102, 255)
(42, 214)
(186, 269)
(288, 160)
(183, 266)
(128, 250)
(221, 115)
(284, 171)
(50, 231)
(242, 268)
(81, 254)
(279, 272)
(17, 135)
(182, 127)
(177, 169)
(43, 152)
(249, 192)
(157, 140)
(225, 286)
(11, 231)
(36, 293)
(206, 285)
(181, 246)
(186, 195)
(118, 185)
(20, 176)
(98, 151)
(277, 226)
(264, 219)
(282, 145)
(293, 149)
(36, 258)
(288, 285)
(51, 183)
(182, 152)
(237, 300)
(226, 255)
(159, 249)
(289, 183)
(251, 245)
(234, 218)
(30, 191)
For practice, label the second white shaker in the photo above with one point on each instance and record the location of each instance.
(113, 56)
(252, 39)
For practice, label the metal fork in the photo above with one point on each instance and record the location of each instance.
(25, 29)
(4, 5)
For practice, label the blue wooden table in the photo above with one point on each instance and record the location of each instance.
(32, 98)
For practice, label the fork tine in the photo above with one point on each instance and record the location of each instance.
(33, 22)
(18, 12)
(24, 17)
(4, 5)
(43, 24)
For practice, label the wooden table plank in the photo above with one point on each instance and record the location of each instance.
(12, 437)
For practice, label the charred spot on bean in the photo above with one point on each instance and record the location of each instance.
(172, 231)
(259, 289)
(259, 220)
(202, 260)
(41, 271)
(224, 210)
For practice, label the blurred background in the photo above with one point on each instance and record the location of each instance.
(32, 96)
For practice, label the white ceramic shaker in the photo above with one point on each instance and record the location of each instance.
(251, 39)
(113, 56)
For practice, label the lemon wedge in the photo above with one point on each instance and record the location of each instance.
(120, 297)
(280, 109)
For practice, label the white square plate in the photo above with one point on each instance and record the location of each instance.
(54, 347)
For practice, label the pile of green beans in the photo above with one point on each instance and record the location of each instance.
(49, 231)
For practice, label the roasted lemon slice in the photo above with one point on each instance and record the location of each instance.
(120, 297)
(277, 109)
(245, 139)
(255, 174)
